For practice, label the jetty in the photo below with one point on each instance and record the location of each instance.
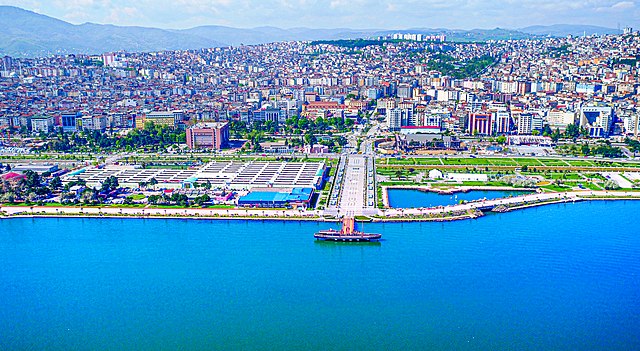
(347, 233)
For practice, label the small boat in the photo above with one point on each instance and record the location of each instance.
(347, 233)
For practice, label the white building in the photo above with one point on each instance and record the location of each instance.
(597, 119)
(525, 123)
(398, 117)
(41, 124)
(560, 119)
(435, 174)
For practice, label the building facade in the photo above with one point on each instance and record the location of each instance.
(211, 135)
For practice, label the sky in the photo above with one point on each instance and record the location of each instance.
(378, 14)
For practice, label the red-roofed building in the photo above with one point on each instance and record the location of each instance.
(13, 176)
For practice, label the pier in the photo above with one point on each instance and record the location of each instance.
(347, 233)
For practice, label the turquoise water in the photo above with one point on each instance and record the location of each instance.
(411, 198)
(550, 278)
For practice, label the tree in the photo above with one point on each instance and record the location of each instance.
(310, 139)
(55, 183)
(501, 139)
(585, 149)
(584, 132)
(349, 123)
(572, 131)
(555, 136)
(634, 145)
(200, 200)
(303, 123)
(110, 184)
(32, 179)
(611, 185)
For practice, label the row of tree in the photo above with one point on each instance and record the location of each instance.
(151, 137)
(30, 188)
(178, 199)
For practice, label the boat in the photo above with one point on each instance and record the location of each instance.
(347, 233)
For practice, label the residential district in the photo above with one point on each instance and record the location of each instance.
(321, 129)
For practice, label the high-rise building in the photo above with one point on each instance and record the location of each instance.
(398, 117)
(162, 118)
(109, 59)
(525, 123)
(597, 119)
(503, 121)
(480, 123)
(68, 121)
(405, 91)
(559, 119)
(41, 124)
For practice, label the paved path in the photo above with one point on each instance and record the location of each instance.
(297, 214)
(353, 189)
(616, 177)
(137, 211)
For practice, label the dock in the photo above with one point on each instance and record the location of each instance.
(348, 232)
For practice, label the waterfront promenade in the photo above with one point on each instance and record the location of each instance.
(160, 212)
(393, 214)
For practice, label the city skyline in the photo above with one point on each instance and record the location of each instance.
(360, 14)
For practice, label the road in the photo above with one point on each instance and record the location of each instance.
(354, 190)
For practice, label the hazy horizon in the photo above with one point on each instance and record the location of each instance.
(354, 14)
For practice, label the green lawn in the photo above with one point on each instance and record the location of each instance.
(553, 162)
(580, 163)
(428, 161)
(503, 162)
(467, 161)
(529, 162)
(401, 161)
(556, 188)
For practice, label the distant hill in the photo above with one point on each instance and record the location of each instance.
(487, 34)
(260, 35)
(28, 34)
(563, 30)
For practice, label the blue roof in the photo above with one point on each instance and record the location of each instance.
(296, 194)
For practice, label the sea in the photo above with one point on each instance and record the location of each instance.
(557, 277)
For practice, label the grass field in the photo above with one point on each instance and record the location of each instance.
(529, 162)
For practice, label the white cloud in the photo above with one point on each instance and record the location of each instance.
(623, 5)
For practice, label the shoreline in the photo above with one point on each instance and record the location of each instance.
(469, 210)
